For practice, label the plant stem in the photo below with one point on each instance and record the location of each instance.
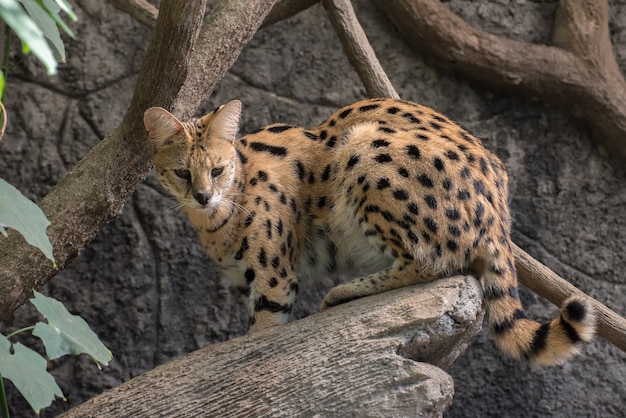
(8, 38)
(4, 406)
(14, 333)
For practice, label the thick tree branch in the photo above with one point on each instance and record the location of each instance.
(94, 192)
(146, 13)
(285, 9)
(580, 74)
(357, 359)
(358, 49)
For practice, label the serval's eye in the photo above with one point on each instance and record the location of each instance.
(183, 173)
(216, 171)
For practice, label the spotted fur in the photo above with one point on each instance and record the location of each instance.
(388, 188)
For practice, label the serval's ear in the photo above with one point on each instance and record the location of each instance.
(223, 122)
(161, 126)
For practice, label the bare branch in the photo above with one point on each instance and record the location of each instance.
(141, 10)
(543, 281)
(285, 9)
(146, 13)
(355, 359)
(237, 21)
(581, 74)
(94, 192)
(358, 49)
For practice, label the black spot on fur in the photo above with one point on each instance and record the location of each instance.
(345, 113)
(352, 162)
(412, 207)
(244, 246)
(279, 128)
(326, 173)
(413, 152)
(430, 224)
(438, 164)
(264, 304)
(369, 107)
(454, 230)
(403, 172)
(383, 183)
(463, 194)
(300, 171)
(310, 135)
(383, 158)
(262, 258)
(249, 275)
(272, 149)
(249, 219)
(332, 141)
(453, 214)
(380, 143)
(431, 201)
(425, 180)
(452, 155)
(412, 237)
(386, 130)
(401, 194)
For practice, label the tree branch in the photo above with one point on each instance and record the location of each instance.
(358, 49)
(285, 9)
(141, 10)
(94, 192)
(580, 73)
(146, 13)
(355, 359)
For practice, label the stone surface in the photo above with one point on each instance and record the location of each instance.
(149, 291)
(356, 359)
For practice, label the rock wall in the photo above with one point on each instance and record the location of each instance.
(151, 294)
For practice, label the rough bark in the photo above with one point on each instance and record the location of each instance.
(579, 73)
(357, 359)
(358, 49)
(94, 192)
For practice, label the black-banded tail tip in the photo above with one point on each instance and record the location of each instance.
(580, 314)
(558, 341)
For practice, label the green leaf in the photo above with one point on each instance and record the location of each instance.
(66, 333)
(44, 20)
(53, 10)
(67, 8)
(19, 213)
(15, 16)
(27, 370)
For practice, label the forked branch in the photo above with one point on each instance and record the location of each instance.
(579, 73)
